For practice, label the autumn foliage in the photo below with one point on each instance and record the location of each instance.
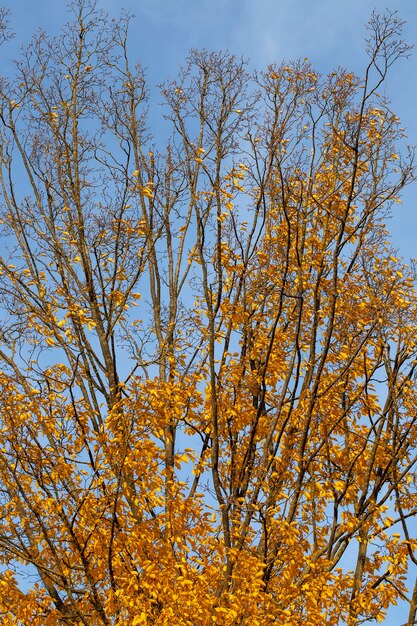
(208, 346)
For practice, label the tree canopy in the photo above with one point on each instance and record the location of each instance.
(208, 346)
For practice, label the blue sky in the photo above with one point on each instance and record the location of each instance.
(329, 32)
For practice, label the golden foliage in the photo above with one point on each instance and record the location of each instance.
(208, 352)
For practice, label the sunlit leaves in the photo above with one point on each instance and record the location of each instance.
(208, 347)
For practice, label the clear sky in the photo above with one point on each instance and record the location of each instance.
(330, 32)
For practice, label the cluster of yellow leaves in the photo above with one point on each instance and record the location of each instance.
(244, 454)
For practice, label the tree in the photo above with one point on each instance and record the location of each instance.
(208, 348)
